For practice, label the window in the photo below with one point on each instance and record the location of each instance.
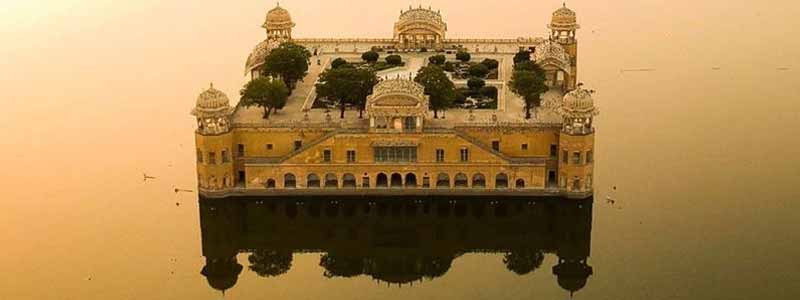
(380, 122)
(496, 145)
(351, 156)
(199, 156)
(464, 154)
(326, 155)
(269, 146)
(439, 155)
(225, 158)
(589, 157)
(553, 150)
(524, 147)
(242, 177)
(409, 123)
(395, 154)
(565, 156)
(576, 158)
(298, 145)
(240, 150)
(212, 158)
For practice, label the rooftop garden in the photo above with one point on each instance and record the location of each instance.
(464, 68)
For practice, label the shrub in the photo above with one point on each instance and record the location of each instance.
(394, 60)
(336, 63)
(460, 97)
(463, 56)
(522, 56)
(370, 56)
(490, 63)
(449, 67)
(437, 59)
(475, 83)
(423, 49)
(489, 92)
(478, 70)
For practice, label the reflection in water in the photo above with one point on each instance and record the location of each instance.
(394, 240)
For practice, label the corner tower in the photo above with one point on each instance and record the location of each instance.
(563, 28)
(214, 140)
(576, 141)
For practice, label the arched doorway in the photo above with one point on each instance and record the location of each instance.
(461, 180)
(348, 180)
(443, 181)
(478, 181)
(397, 180)
(382, 181)
(501, 181)
(520, 184)
(411, 180)
(289, 181)
(270, 183)
(312, 181)
(331, 181)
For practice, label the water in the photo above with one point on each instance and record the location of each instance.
(702, 151)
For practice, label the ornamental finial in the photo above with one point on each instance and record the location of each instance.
(212, 84)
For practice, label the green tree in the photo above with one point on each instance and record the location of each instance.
(463, 56)
(437, 86)
(394, 60)
(370, 56)
(338, 62)
(529, 85)
(270, 94)
(489, 92)
(475, 84)
(289, 62)
(478, 70)
(522, 56)
(438, 59)
(347, 86)
(491, 63)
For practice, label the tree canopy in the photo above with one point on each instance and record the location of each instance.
(347, 86)
(265, 92)
(437, 86)
(438, 59)
(491, 63)
(475, 83)
(522, 56)
(370, 56)
(478, 70)
(528, 81)
(289, 62)
(463, 56)
(394, 60)
(338, 62)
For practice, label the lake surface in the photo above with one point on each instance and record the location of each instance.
(700, 154)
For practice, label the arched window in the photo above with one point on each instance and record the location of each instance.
(270, 183)
(331, 181)
(289, 181)
(348, 180)
(520, 184)
(382, 181)
(411, 180)
(312, 181)
(478, 181)
(501, 181)
(461, 180)
(397, 180)
(443, 180)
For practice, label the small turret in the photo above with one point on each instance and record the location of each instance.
(576, 141)
(213, 139)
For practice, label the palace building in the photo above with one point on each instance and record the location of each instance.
(397, 146)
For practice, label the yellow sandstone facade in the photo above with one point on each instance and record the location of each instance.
(398, 147)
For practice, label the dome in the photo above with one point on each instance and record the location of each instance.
(278, 18)
(421, 14)
(564, 18)
(579, 100)
(212, 100)
(552, 53)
